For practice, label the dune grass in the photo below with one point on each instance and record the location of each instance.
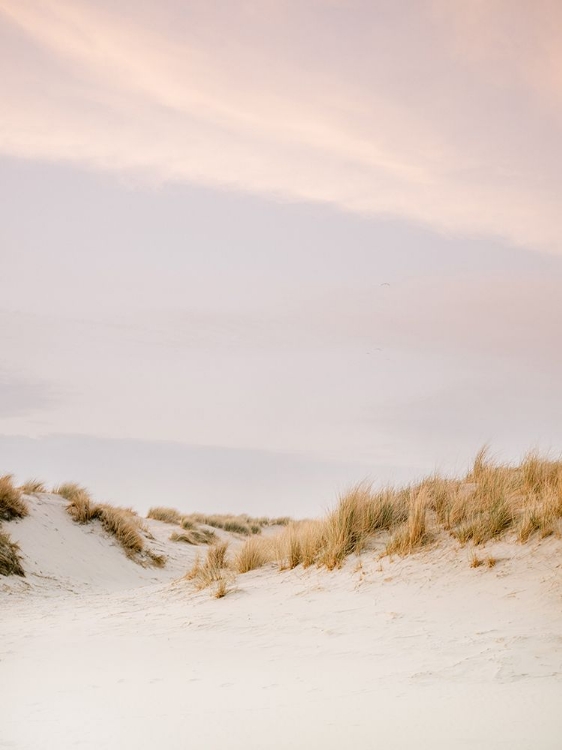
(12, 504)
(253, 554)
(221, 589)
(235, 524)
(476, 562)
(33, 487)
(80, 505)
(10, 561)
(492, 500)
(191, 533)
(122, 523)
(193, 536)
(299, 543)
(243, 525)
(240, 524)
(213, 571)
(412, 534)
(167, 515)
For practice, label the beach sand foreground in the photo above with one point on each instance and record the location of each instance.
(427, 652)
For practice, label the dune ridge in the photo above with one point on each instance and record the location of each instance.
(380, 623)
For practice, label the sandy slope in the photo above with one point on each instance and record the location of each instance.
(424, 652)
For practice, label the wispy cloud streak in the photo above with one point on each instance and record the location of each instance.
(444, 114)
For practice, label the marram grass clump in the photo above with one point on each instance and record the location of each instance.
(167, 515)
(122, 523)
(213, 572)
(241, 524)
(194, 536)
(10, 561)
(33, 487)
(491, 501)
(12, 504)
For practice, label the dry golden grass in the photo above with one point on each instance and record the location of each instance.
(32, 487)
(492, 500)
(240, 524)
(122, 523)
(12, 505)
(159, 561)
(213, 570)
(191, 533)
(168, 515)
(412, 534)
(233, 524)
(221, 589)
(475, 561)
(193, 536)
(254, 553)
(80, 505)
(344, 529)
(299, 543)
(10, 562)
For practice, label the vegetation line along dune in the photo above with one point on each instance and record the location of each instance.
(123, 523)
(12, 506)
(236, 524)
(492, 500)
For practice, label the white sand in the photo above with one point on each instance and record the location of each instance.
(426, 652)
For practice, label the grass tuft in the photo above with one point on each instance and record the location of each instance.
(80, 504)
(413, 533)
(167, 515)
(241, 524)
(221, 589)
(254, 553)
(159, 561)
(193, 536)
(299, 543)
(475, 561)
(12, 505)
(33, 487)
(10, 561)
(122, 523)
(212, 570)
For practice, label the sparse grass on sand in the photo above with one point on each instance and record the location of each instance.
(12, 505)
(33, 487)
(167, 515)
(10, 563)
(191, 534)
(492, 500)
(476, 562)
(241, 524)
(80, 505)
(213, 571)
(194, 536)
(254, 553)
(122, 523)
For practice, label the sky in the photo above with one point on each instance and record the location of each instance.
(254, 252)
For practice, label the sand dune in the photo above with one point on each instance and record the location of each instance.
(97, 651)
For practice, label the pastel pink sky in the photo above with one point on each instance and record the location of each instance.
(444, 113)
(327, 229)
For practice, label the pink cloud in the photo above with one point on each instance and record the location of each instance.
(411, 112)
